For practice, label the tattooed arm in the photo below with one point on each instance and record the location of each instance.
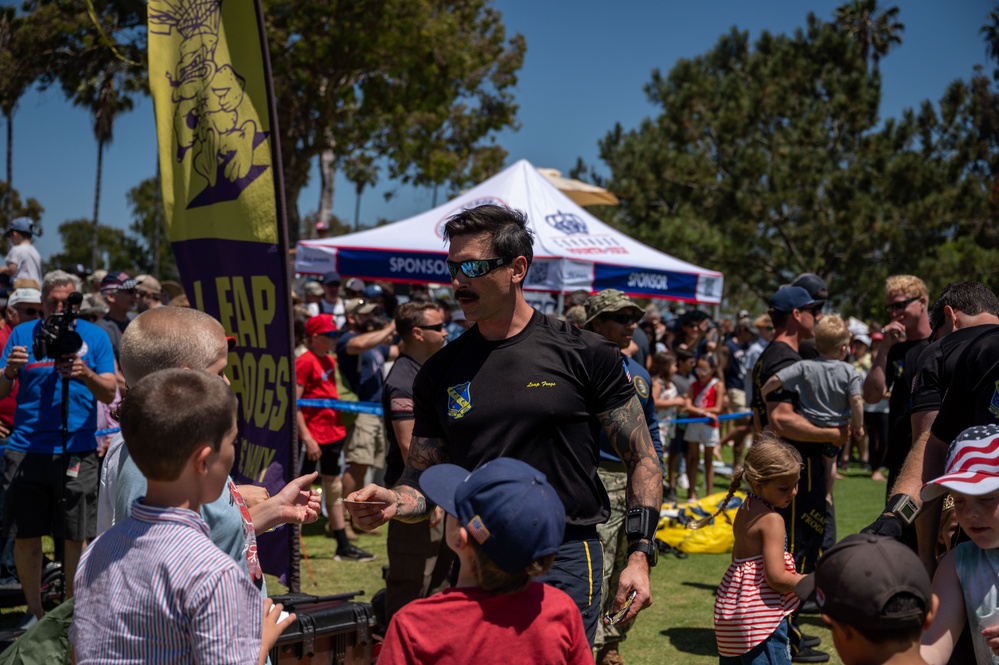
(404, 502)
(628, 432)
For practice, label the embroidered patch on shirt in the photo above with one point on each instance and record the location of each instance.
(641, 387)
(459, 400)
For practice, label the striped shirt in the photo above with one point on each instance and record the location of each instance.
(747, 609)
(155, 589)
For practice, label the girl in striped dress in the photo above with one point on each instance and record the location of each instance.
(757, 592)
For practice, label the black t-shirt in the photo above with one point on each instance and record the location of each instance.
(397, 404)
(533, 397)
(903, 360)
(973, 395)
(774, 358)
(807, 349)
(935, 368)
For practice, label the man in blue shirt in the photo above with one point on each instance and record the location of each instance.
(39, 464)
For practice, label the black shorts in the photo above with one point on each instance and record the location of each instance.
(33, 483)
(329, 463)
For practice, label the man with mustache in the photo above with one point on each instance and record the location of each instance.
(524, 385)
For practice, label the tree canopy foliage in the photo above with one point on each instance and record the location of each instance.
(770, 159)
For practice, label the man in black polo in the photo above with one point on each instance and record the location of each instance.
(524, 385)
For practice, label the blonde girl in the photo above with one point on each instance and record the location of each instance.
(757, 592)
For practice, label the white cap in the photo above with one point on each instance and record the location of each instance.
(29, 296)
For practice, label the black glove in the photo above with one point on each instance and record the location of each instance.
(887, 525)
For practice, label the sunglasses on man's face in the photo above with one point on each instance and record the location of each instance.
(29, 311)
(900, 305)
(437, 327)
(477, 267)
(622, 318)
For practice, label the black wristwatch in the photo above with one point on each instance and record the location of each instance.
(903, 507)
(647, 548)
(641, 522)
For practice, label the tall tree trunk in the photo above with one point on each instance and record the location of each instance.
(97, 203)
(9, 202)
(327, 176)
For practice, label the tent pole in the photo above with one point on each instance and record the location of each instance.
(561, 303)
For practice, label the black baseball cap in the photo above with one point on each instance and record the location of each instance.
(855, 579)
(815, 285)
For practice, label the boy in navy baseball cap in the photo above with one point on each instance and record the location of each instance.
(505, 523)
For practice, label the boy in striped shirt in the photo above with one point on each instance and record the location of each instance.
(154, 588)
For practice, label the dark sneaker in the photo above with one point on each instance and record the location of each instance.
(808, 655)
(353, 553)
(809, 641)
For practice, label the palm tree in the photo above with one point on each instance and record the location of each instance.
(877, 30)
(15, 78)
(104, 98)
(991, 34)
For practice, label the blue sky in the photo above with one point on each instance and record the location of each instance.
(586, 63)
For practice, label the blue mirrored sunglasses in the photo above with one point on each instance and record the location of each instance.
(478, 267)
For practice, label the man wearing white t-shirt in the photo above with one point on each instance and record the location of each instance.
(23, 259)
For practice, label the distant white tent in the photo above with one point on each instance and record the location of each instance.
(572, 248)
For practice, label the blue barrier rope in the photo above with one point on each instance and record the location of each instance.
(376, 410)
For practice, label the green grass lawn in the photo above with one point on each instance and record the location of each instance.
(677, 629)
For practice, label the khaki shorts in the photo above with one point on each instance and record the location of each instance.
(736, 400)
(366, 443)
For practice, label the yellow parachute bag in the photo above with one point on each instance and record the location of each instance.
(713, 538)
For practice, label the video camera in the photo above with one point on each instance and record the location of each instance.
(56, 338)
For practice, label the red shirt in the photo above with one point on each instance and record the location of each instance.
(317, 376)
(705, 399)
(9, 403)
(539, 625)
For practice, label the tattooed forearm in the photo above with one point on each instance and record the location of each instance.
(628, 432)
(412, 505)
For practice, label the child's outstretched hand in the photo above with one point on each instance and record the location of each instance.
(273, 626)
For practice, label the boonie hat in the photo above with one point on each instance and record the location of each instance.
(21, 225)
(321, 324)
(854, 580)
(609, 300)
(116, 280)
(332, 277)
(506, 505)
(148, 284)
(28, 296)
(972, 464)
(359, 306)
(313, 288)
(789, 298)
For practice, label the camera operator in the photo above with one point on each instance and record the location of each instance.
(39, 469)
(361, 353)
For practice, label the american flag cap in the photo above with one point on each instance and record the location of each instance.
(972, 464)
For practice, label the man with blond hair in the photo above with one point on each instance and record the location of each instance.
(905, 336)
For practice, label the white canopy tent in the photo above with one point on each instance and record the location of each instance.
(572, 249)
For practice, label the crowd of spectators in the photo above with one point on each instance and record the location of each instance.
(606, 409)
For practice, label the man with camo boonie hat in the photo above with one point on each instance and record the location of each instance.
(612, 315)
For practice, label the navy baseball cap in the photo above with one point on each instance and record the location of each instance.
(815, 285)
(331, 277)
(507, 507)
(789, 298)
